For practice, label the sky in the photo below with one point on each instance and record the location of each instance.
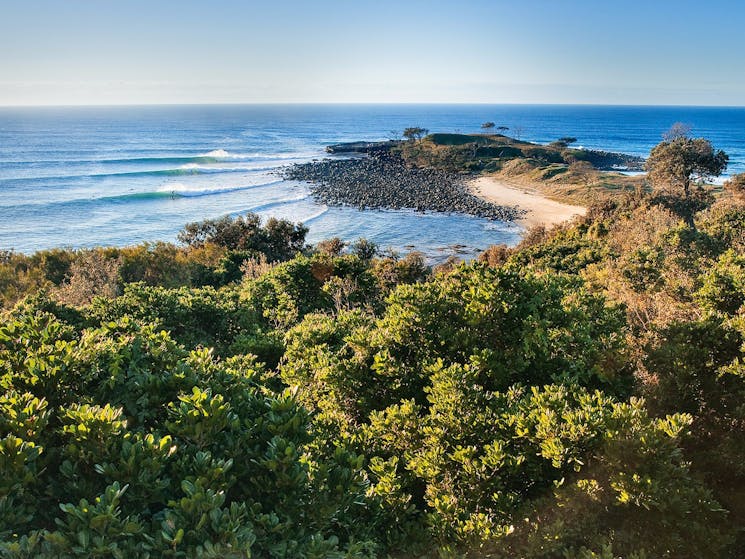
(658, 52)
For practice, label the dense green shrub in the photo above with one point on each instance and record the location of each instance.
(433, 392)
(277, 239)
(567, 251)
(723, 288)
(510, 326)
(194, 317)
(326, 283)
(124, 444)
(636, 498)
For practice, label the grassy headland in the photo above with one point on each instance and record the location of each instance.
(557, 170)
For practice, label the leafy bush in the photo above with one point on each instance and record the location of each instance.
(277, 239)
(124, 444)
(635, 498)
(425, 392)
(195, 317)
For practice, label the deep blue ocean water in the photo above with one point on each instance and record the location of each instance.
(88, 176)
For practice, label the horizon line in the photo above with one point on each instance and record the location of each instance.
(363, 103)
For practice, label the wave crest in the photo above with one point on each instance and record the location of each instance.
(217, 153)
(178, 190)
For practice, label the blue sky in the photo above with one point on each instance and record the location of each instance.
(362, 51)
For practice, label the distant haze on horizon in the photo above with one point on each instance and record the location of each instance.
(82, 52)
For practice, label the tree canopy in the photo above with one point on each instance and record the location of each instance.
(278, 239)
(682, 162)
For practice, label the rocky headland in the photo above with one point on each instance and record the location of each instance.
(381, 180)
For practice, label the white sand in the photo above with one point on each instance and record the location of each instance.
(541, 210)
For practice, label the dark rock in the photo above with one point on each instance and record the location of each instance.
(383, 181)
(362, 147)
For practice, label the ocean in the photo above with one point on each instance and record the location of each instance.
(92, 176)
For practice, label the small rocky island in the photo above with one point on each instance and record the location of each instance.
(380, 179)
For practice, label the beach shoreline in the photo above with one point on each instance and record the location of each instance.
(540, 210)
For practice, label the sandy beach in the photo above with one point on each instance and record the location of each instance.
(541, 210)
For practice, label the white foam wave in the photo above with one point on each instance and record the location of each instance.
(502, 226)
(215, 168)
(223, 154)
(269, 207)
(180, 190)
(314, 216)
(217, 153)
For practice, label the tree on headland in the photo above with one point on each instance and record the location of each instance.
(675, 166)
(502, 129)
(682, 162)
(564, 141)
(415, 133)
(489, 125)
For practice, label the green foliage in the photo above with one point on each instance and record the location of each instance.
(637, 499)
(680, 162)
(483, 453)
(117, 442)
(514, 328)
(323, 282)
(194, 317)
(566, 252)
(441, 139)
(433, 392)
(543, 154)
(277, 239)
(21, 275)
(723, 288)
(726, 225)
(414, 133)
(486, 153)
(214, 255)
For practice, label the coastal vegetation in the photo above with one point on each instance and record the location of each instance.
(491, 152)
(242, 394)
(414, 133)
